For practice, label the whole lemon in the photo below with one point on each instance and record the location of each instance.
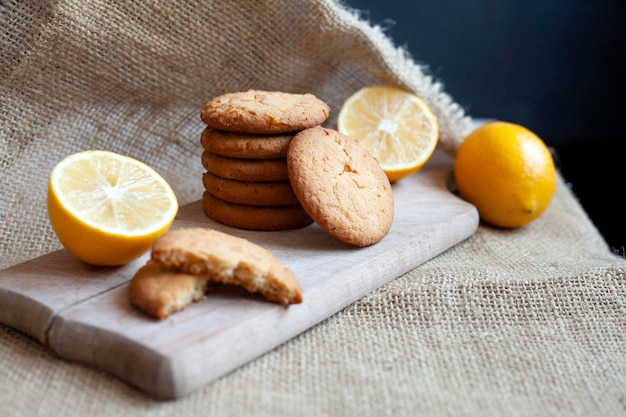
(507, 172)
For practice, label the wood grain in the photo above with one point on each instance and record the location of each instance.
(83, 314)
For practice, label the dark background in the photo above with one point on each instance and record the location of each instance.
(554, 66)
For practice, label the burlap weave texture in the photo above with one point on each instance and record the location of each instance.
(529, 322)
(503, 324)
(131, 77)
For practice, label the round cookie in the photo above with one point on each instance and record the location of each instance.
(245, 145)
(341, 186)
(255, 217)
(245, 169)
(252, 193)
(256, 111)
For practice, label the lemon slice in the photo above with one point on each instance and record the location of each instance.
(395, 126)
(107, 209)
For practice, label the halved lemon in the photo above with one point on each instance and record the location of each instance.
(394, 125)
(107, 209)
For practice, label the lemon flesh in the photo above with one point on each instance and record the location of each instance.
(395, 126)
(107, 209)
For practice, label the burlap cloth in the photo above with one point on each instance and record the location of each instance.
(530, 322)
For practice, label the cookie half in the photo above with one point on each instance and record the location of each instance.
(159, 291)
(256, 111)
(227, 259)
(245, 145)
(340, 185)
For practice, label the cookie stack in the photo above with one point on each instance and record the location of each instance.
(245, 146)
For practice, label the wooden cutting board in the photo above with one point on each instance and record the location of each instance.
(82, 313)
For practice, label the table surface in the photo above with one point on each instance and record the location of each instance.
(530, 321)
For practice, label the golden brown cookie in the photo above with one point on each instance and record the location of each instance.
(255, 217)
(227, 259)
(252, 193)
(245, 145)
(340, 185)
(256, 111)
(245, 169)
(159, 291)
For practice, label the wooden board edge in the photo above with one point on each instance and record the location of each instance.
(172, 376)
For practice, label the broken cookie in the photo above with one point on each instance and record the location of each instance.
(185, 261)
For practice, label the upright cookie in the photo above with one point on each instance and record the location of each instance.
(256, 111)
(245, 145)
(340, 185)
(255, 217)
(245, 169)
(227, 259)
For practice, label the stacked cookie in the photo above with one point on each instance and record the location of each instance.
(245, 146)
